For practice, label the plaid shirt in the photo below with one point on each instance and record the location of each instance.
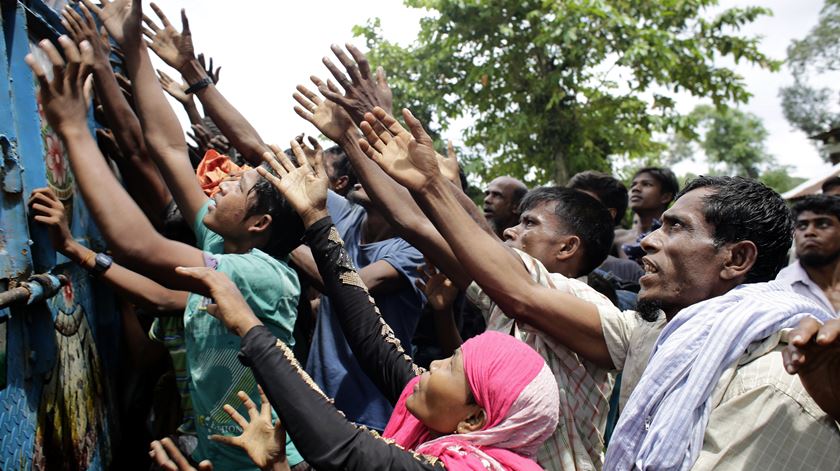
(578, 442)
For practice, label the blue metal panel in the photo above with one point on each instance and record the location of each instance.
(56, 410)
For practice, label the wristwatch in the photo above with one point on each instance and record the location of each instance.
(102, 262)
(200, 85)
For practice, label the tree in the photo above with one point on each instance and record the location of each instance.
(809, 108)
(558, 87)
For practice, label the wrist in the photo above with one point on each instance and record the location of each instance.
(311, 217)
(192, 71)
(70, 129)
(73, 250)
(245, 325)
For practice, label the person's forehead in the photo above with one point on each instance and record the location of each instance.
(809, 215)
(645, 177)
(690, 206)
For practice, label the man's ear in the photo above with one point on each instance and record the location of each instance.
(613, 212)
(739, 260)
(665, 199)
(473, 423)
(340, 183)
(570, 245)
(260, 224)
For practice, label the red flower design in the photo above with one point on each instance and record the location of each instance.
(56, 164)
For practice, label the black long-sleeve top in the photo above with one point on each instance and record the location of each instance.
(321, 434)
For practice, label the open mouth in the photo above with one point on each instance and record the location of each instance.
(649, 267)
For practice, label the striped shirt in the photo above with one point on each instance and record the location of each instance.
(584, 388)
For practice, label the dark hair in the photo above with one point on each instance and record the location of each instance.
(666, 178)
(744, 209)
(341, 165)
(175, 227)
(830, 183)
(581, 215)
(817, 204)
(518, 194)
(286, 225)
(611, 192)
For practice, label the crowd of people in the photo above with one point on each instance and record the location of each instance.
(384, 321)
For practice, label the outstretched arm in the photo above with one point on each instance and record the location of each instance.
(140, 175)
(814, 354)
(393, 200)
(499, 272)
(47, 209)
(176, 49)
(162, 131)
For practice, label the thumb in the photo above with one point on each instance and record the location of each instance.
(197, 273)
(416, 127)
(205, 465)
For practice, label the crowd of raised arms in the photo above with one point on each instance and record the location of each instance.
(352, 309)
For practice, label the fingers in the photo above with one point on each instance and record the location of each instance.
(361, 60)
(165, 79)
(416, 127)
(829, 333)
(372, 138)
(391, 123)
(205, 465)
(159, 13)
(307, 98)
(349, 64)
(39, 74)
(158, 453)
(185, 23)
(175, 454)
(804, 332)
(339, 76)
(381, 77)
(86, 51)
(197, 273)
(56, 61)
(232, 441)
(74, 58)
(235, 416)
(300, 156)
(92, 7)
(249, 404)
(89, 21)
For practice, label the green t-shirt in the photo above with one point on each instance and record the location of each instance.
(271, 289)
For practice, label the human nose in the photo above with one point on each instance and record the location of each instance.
(651, 243)
(510, 233)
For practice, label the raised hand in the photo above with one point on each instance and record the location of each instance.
(229, 307)
(814, 354)
(362, 91)
(47, 209)
(439, 290)
(409, 158)
(303, 185)
(82, 27)
(166, 455)
(174, 48)
(264, 443)
(175, 89)
(213, 74)
(63, 97)
(328, 117)
(202, 137)
(121, 18)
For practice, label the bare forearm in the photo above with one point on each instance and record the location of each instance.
(302, 258)
(118, 217)
(503, 277)
(121, 118)
(192, 111)
(163, 133)
(230, 121)
(137, 288)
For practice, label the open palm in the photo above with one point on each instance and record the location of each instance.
(304, 186)
(121, 18)
(409, 158)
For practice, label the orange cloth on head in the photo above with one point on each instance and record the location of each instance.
(214, 168)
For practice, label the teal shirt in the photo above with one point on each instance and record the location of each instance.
(271, 289)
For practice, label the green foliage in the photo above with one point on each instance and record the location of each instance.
(779, 179)
(732, 138)
(559, 87)
(807, 107)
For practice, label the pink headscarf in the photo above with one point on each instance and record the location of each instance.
(519, 395)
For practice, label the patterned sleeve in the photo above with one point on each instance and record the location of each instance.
(322, 435)
(372, 340)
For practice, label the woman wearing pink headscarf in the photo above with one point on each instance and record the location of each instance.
(488, 407)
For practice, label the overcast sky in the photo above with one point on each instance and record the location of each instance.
(267, 47)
